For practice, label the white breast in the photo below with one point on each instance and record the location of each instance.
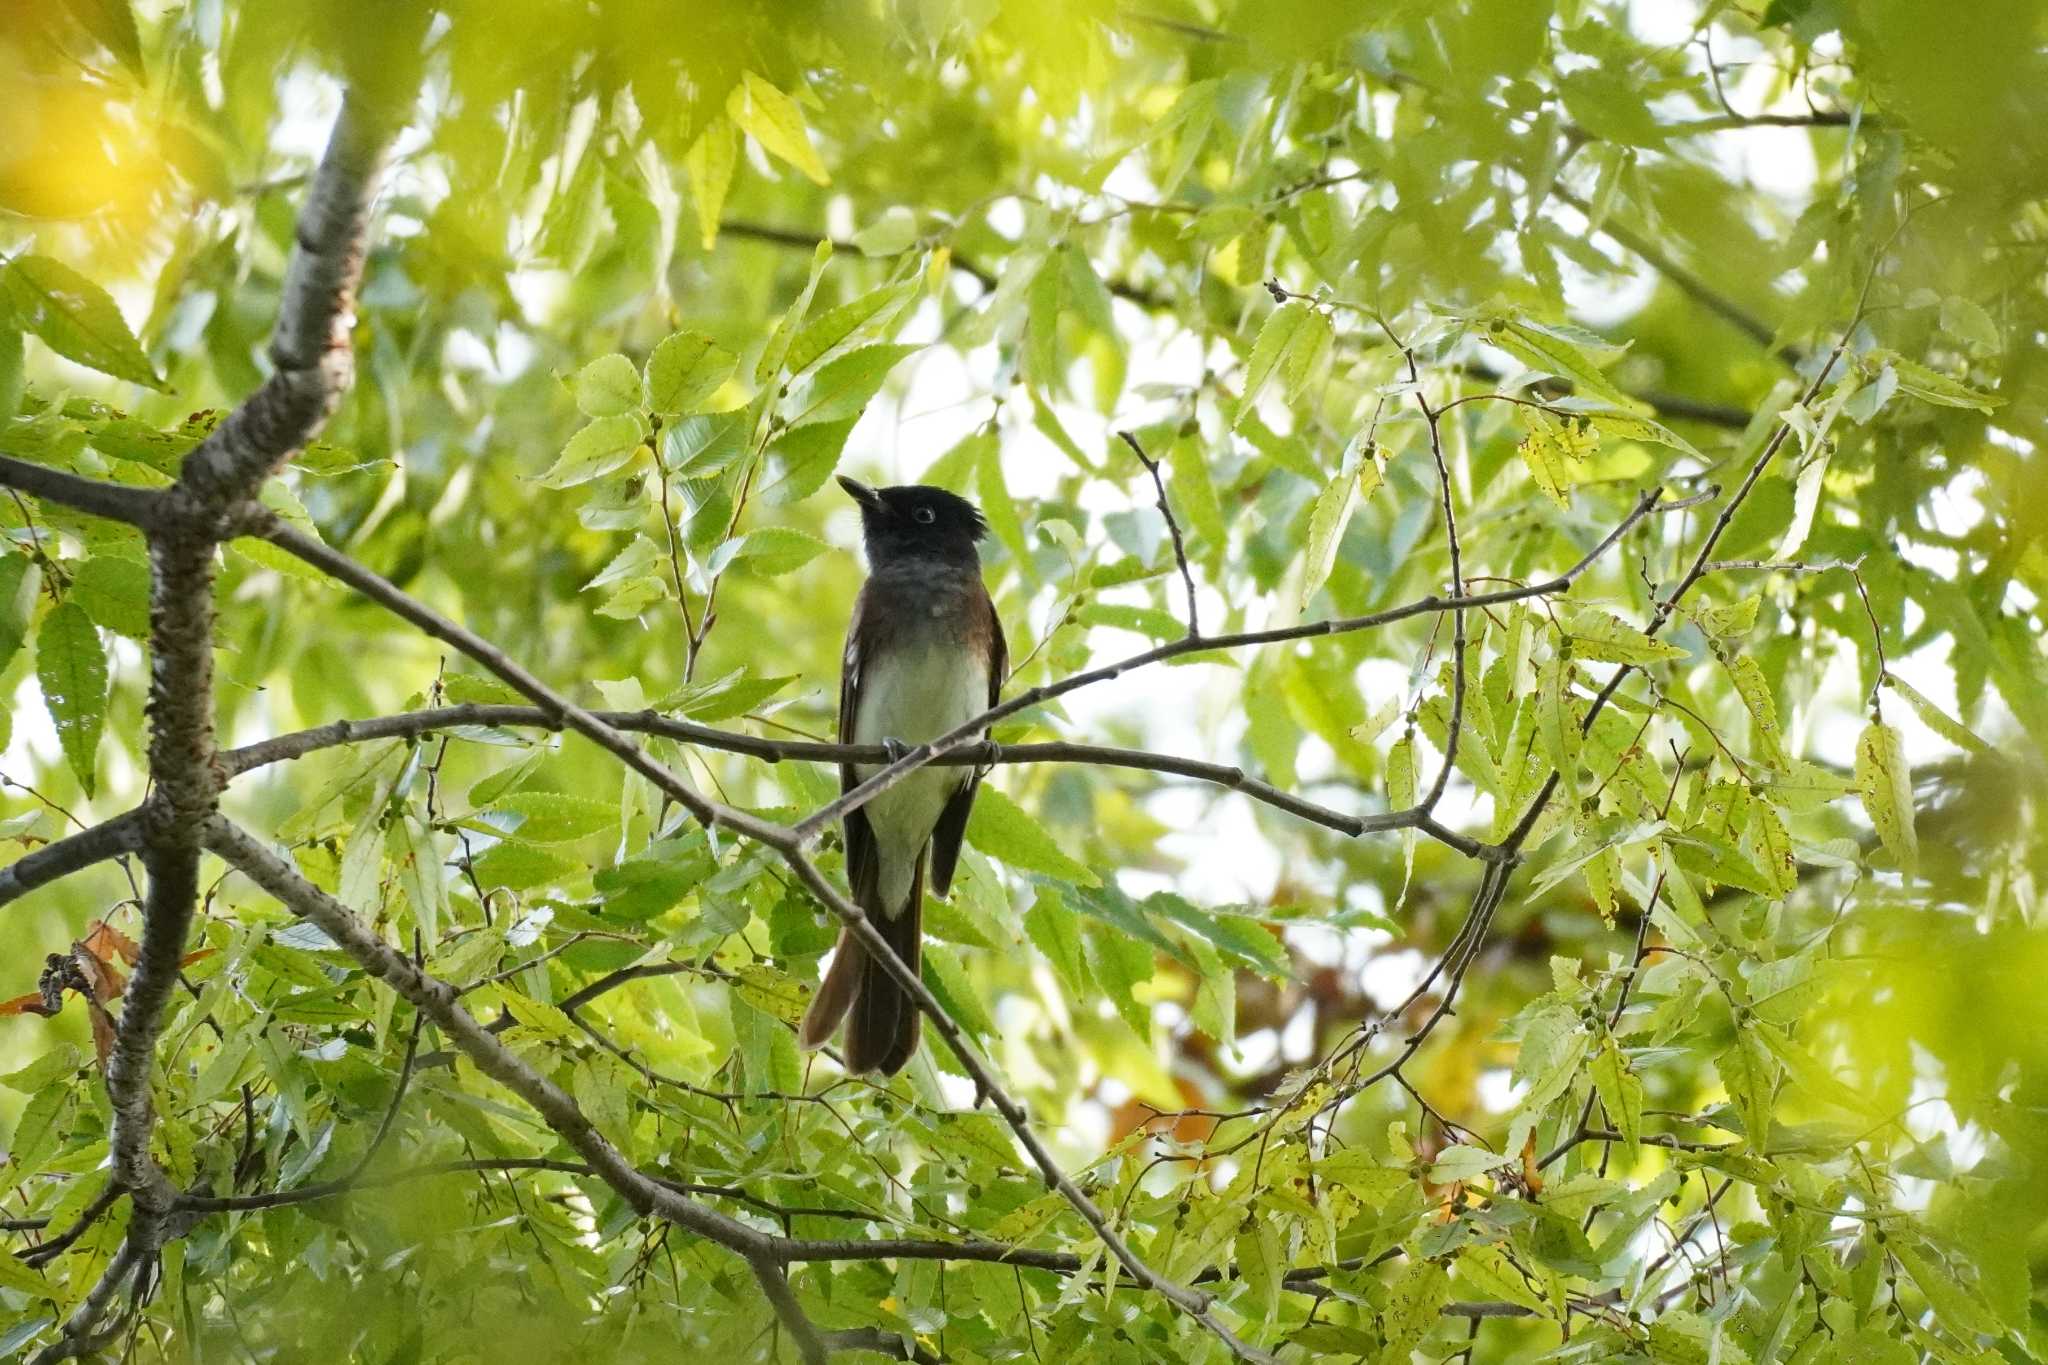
(915, 692)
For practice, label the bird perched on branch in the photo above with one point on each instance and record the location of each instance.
(924, 655)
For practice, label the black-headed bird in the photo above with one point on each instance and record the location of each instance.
(924, 655)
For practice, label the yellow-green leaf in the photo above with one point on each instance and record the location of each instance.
(1596, 635)
(684, 371)
(772, 119)
(709, 164)
(1885, 781)
(603, 445)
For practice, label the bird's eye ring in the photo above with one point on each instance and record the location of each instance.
(924, 515)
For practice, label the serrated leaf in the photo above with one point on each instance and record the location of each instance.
(1749, 1074)
(1004, 831)
(114, 590)
(607, 386)
(71, 666)
(773, 119)
(842, 388)
(1755, 691)
(1544, 350)
(1885, 781)
(75, 318)
(722, 698)
(20, 580)
(603, 445)
(1259, 1264)
(1553, 448)
(1594, 634)
(1629, 427)
(1462, 1162)
(773, 550)
(1621, 1094)
(826, 331)
(709, 164)
(555, 817)
(1931, 386)
(1721, 622)
(1932, 716)
(1326, 522)
(684, 370)
(517, 866)
(1278, 336)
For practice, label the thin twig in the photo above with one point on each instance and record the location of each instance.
(1180, 550)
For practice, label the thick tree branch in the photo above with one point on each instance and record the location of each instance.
(309, 346)
(184, 523)
(115, 501)
(62, 857)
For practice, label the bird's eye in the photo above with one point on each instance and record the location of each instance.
(924, 515)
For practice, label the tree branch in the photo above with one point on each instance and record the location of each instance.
(185, 525)
(115, 501)
(62, 857)
(1180, 550)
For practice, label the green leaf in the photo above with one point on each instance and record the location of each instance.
(1932, 716)
(843, 387)
(773, 120)
(1290, 344)
(12, 367)
(1755, 691)
(1260, 1265)
(1326, 520)
(996, 503)
(709, 164)
(114, 590)
(684, 370)
(823, 333)
(555, 817)
(75, 318)
(722, 698)
(1720, 622)
(1000, 828)
(1630, 427)
(1553, 350)
(1463, 1162)
(1885, 781)
(770, 551)
(20, 580)
(72, 668)
(1749, 1074)
(1596, 635)
(605, 444)
(607, 386)
(1415, 1304)
(1931, 386)
(1621, 1094)
(1552, 449)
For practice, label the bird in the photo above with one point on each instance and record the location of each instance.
(924, 655)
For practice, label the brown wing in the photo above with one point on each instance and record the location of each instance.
(952, 826)
(860, 837)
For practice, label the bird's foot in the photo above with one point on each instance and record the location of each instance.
(896, 749)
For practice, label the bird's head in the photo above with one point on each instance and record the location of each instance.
(915, 521)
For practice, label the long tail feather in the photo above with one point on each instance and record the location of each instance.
(882, 1021)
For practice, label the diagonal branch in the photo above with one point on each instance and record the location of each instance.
(789, 843)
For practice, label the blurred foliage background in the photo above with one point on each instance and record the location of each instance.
(1751, 1065)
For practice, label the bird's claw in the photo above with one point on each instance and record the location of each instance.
(896, 749)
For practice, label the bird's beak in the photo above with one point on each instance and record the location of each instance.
(859, 492)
